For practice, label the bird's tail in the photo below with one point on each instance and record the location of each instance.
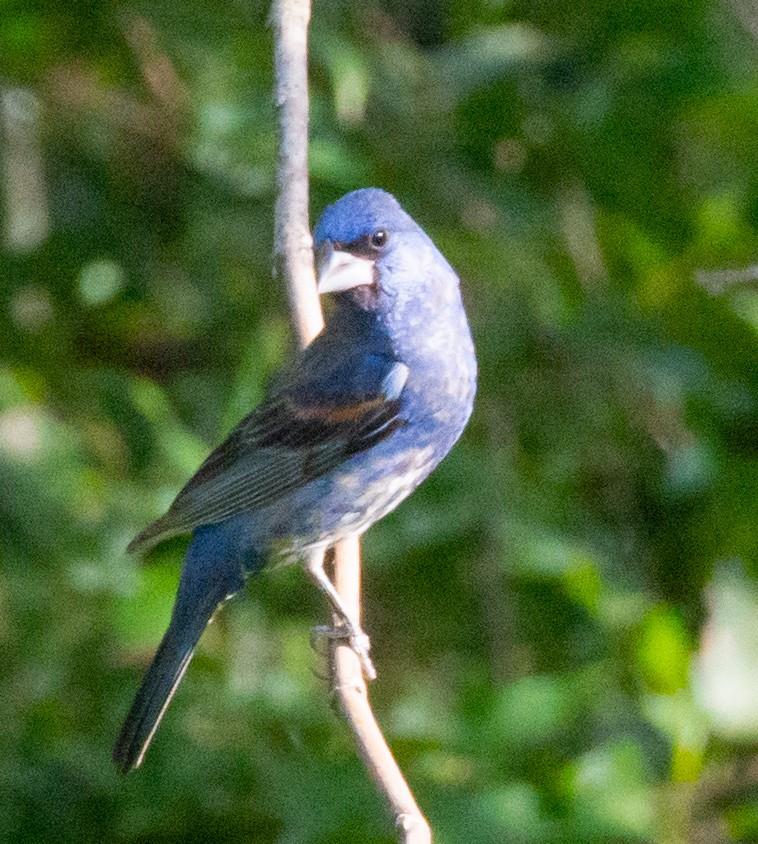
(155, 693)
(212, 573)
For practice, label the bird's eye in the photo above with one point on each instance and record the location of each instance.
(379, 239)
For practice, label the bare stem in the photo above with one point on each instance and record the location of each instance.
(293, 252)
(350, 688)
(747, 13)
(294, 261)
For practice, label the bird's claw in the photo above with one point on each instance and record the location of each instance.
(361, 645)
(358, 641)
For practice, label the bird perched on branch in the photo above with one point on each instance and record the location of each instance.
(364, 415)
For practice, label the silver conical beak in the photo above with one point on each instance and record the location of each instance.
(338, 270)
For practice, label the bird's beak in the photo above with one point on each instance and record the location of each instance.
(338, 270)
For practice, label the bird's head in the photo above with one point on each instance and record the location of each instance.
(367, 245)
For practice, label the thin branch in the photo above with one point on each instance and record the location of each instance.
(717, 282)
(746, 12)
(350, 688)
(293, 245)
(294, 261)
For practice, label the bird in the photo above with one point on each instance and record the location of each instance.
(342, 436)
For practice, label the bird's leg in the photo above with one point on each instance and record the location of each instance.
(350, 628)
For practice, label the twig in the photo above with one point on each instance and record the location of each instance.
(293, 252)
(717, 282)
(747, 14)
(294, 260)
(350, 688)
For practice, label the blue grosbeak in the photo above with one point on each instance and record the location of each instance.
(366, 413)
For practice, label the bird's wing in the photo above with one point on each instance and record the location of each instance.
(294, 436)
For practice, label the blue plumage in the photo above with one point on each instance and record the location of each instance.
(365, 414)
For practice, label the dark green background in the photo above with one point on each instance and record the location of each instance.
(565, 617)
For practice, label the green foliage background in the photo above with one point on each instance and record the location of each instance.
(564, 616)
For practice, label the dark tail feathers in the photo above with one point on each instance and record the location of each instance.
(155, 693)
(214, 569)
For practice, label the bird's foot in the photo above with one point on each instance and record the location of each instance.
(361, 646)
(358, 641)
